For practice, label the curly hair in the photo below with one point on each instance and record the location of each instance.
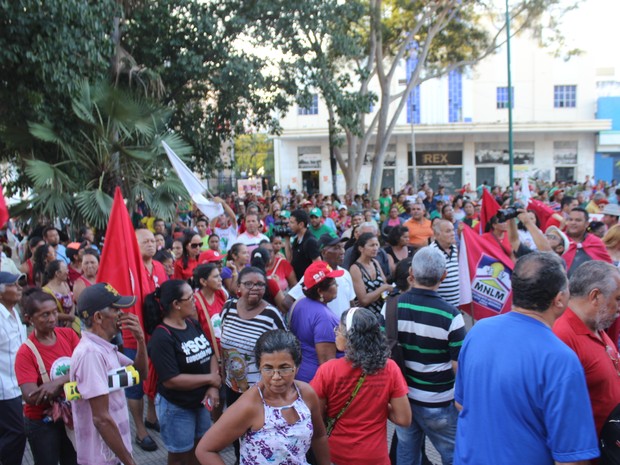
(366, 345)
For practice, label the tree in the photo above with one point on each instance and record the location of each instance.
(254, 152)
(217, 88)
(116, 141)
(342, 58)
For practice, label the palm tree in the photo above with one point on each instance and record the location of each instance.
(116, 141)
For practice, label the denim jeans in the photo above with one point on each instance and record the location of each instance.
(181, 427)
(49, 443)
(12, 434)
(438, 424)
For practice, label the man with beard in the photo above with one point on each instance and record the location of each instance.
(583, 246)
(592, 308)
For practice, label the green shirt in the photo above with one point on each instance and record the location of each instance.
(386, 203)
(320, 231)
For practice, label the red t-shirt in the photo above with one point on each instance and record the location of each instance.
(184, 273)
(56, 359)
(599, 359)
(280, 270)
(360, 435)
(156, 278)
(213, 310)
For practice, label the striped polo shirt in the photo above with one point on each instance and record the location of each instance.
(431, 332)
(449, 287)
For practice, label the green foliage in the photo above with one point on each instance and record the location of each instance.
(252, 152)
(216, 88)
(116, 140)
(46, 48)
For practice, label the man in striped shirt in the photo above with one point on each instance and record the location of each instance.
(446, 244)
(431, 332)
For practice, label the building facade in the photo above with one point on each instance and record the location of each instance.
(460, 127)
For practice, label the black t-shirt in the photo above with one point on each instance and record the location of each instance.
(304, 253)
(174, 352)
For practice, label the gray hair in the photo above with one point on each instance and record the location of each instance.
(428, 266)
(370, 225)
(592, 275)
(437, 226)
(2, 288)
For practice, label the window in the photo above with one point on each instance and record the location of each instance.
(502, 97)
(455, 96)
(565, 96)
(313, 109)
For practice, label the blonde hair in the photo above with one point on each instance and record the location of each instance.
(612, 237)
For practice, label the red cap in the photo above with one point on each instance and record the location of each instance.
(209, 256)
(318, 272)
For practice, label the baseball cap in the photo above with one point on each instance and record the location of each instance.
(99, 296)
(209, 256)
(319, 271)
(327, 240)
(316, 212)
(556, 231)
(342, 207)
(10, 278)
(285, 214)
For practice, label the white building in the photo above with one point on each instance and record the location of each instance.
(461, 130)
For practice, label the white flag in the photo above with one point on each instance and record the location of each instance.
(193, 185)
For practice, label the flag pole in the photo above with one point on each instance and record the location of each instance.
(510, 98)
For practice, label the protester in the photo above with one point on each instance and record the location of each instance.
(184, 266)
(593, 307)
(90, 267)
(449, 288)
(583, 246)
(398, 247)
(245, 317)
(12, 336)
(52, 237)
(210, 298)
(28, 266)
(237, 259)
(517, 380)
(368, 279)
(312, 321)
(304, 248)
(43, 256)
(279, 268)
(420, 231)
(392, 221)
(279, 419)
(361, 391)
(101, 417)
(187, 369)
(55, 284)
(166, 259)
(42, 386)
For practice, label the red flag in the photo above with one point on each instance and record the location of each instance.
(484, 276)
(4, 211)
(121, 262)
(543, 213)
(488, 209)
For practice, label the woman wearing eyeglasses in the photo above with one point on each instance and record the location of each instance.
(184, 266)
(245, 317)
(278, 419)
(361, 391)
(187, 370)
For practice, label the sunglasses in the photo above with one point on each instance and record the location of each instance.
(195, 246)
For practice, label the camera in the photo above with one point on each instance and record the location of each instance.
(280, 228)
(509, 213)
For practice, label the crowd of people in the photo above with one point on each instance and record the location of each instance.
(294, 326)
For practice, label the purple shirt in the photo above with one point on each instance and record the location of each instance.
(312, 322)
(91, 361)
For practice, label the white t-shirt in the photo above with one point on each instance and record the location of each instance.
(251, 241)
(228, 237)
(343, 299)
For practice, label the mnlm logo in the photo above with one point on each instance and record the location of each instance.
(491, 285)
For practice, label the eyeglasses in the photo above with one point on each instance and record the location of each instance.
(286, 371)
(250, 285)
(195, 246)
(613, 356)
(186, 299)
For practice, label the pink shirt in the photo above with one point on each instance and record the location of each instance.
(92, 359)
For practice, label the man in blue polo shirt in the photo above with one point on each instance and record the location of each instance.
(522, 391)
(430, 331)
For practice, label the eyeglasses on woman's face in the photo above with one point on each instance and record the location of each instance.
(283, 372)
(186, 299)
(195, 245)
(251, 285)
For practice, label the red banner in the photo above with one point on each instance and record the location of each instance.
(488, 209)
(484, 274)
(121, 262)
(4, 211)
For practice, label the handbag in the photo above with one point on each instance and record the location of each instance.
(330, 422)
(60, 408)
(609, 442)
